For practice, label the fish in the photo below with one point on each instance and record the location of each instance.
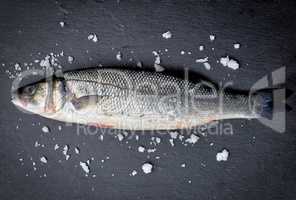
(137, 100)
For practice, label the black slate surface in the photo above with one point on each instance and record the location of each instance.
(260, 168)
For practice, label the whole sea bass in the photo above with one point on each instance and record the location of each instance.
(137, 100)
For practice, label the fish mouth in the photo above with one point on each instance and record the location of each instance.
(19, 103)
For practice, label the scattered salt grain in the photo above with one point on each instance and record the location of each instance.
(158, 140)
(43, 159)
(65, 152)
(158, 68)
(231, 63)
(157, 57)
(167, 35)
(222, 156)
(236, 45)
(36, 144)
(17, 67)
(151, 150)
(101, 137)
(207, 66)
(45, 129)
(202, 60)
(56, 146)
(59, 127)
(174, 134)
(141, 149)
(183, 165)
(182, 52)
(120, 137)
(119, 56)
(181, 137)
(70, 59)
(77, 150)
(193, 139)
(84, 167)
(172, 142)
(201, 47)
(139, 64)
(212, 37)
(62, 24)
(147, 168)
(45, 62)
(92, 37)
(134, 173)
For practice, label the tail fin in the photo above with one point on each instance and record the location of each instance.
(265, 100)
(266, 105)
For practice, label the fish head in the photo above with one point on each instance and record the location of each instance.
(43, 98)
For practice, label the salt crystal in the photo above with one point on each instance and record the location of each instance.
(212, 37)
(62, 24)
(236, 45)
(151, 150)
(158, 68)
(141, 149)
(45, 129)
(182, 52)
(119, 56)
(134, 173)
(193, 139)
(36, 144)
(157, 57)
(181, 137)
(77, 150)
(70, 59)
(147, 168)
(201, 47)
(85, 167)
(202, 60)
(101, 137)
(222, 156)
(17, 67)
(231, 63)
(167, 35)
(56, 146)
(93, 37)
(171, 142)
(120, 137)
(207, 65)
(183, 165)
(65, 152)
(139, 64)
(174, 134)
(43, 159)
(158, 140)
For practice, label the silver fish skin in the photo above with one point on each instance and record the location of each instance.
(138, 100)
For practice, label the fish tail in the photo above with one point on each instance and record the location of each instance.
(266, 98)
(268, 106)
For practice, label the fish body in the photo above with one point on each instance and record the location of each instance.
(136, 100)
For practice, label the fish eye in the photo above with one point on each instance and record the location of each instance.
(30, 90)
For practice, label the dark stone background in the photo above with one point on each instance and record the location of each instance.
(260, 168)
